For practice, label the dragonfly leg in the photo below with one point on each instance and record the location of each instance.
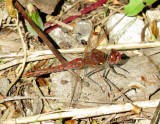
(105, 74)
(93, 72)
(113, 69)
(122, 69)
(96, 84)
(155, 54)
(122, 93)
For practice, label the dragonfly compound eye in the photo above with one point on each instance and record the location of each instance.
(118, 57)
(114, 57)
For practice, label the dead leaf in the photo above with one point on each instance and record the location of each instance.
(41, 82)
(39, 64)
(70, 122)
(137, 85)
(136, 109)
(147, 81)
(154, 29)
(45, 6)
(116, 2)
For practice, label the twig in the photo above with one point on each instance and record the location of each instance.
(131, 46)
(156, 116)
(84, 113)
(14, 98)
(29, 59)
(64, 25)
(84, 11)
(47, 54)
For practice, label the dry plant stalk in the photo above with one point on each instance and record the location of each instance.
(14, 98)
(84, 113)
(47, 54)
(132, 46)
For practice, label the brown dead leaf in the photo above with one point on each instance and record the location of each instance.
(154, 29)
(41, 82)
(45, 6)
(39, 64)
(17, 113)
(136, 109)
(137, 85)
(70, 122)
(116, 2)
(147, 81)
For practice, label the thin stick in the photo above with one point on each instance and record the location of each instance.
(47, 54)
(64, 25)
(156, 115)
(29, 59)
(14, 98)
(84, 113)
(130, 46)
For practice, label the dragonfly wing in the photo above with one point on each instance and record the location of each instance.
(93, 40)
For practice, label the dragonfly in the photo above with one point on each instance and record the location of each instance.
(91, 59)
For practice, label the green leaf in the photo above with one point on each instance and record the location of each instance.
(153, 37)
(106, 8)
(1, 61)
(149, 2)
(35, 17)
(134, 7)
(94, 122)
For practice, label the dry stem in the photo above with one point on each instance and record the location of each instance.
(14, 98)
(84, 113)
(47, 54)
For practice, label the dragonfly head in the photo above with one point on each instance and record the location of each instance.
(114, 57)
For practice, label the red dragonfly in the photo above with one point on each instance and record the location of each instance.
(94, 58)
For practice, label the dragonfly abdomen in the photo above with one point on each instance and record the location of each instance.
(76, 63)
